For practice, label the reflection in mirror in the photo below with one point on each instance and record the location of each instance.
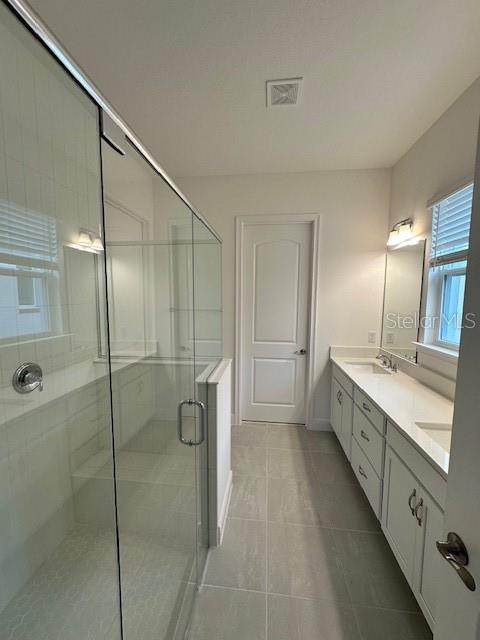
(401, 307)
(80, 270)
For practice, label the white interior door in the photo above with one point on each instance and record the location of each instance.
(274, 315)
(458, 609)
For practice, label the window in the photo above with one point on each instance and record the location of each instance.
(28, 270)
(448, 263)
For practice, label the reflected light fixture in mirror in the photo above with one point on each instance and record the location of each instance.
(401, 232)
(87, 241)
(97, 244)
(84, 239)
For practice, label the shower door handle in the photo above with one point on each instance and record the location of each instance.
(191, 443)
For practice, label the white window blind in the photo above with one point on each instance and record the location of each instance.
(27, 238)
(451, 227)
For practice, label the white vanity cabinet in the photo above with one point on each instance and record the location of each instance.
(341, 410)
(404, 488)
(412, 520)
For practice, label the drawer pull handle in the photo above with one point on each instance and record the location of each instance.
(364, 435)
(366, 407)
(417, 509)
(362, 472)
(410, 498)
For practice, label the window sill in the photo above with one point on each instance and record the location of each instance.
(448, 355)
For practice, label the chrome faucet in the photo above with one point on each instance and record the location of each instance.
(387, 362)
(384, 359)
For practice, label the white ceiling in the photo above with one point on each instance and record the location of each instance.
(189, 75)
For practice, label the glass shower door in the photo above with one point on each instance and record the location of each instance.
(58, 553)
(149, 253)
(207, 262)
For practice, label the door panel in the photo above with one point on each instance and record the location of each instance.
(428, 563)
(347, 423)
(275, 316)
(276, 279)
(398, 522)
(273, 381)
(336, 409)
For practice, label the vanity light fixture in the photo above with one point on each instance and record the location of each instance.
(401, 232)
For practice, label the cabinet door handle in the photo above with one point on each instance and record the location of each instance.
(410, 498)
(362, 472)
(364, 435)
(366, 407)
(339, 397)
(419, 506)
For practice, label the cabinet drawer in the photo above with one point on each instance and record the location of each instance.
(433, 482)
(375, 416)
(368, 479)
(369, 440)
(343, 379)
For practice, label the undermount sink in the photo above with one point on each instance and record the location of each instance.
(368, 367)
(440, 432)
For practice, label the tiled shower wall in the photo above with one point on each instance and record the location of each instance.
(49, 167)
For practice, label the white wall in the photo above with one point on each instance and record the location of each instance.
(442, 158)
(438, 162)
(354, 209)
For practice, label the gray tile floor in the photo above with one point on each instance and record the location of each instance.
(303, 557)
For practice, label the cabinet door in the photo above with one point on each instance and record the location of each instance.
(336, 408)
(398, 522)
(347, 424)
(427, 559)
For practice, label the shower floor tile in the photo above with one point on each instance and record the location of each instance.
(74, 595)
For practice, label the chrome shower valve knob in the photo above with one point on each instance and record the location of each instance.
(28, 377)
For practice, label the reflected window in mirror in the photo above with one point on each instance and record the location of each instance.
(28, 273)
(447, 269)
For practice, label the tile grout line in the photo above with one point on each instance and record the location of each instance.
(305, 524)
(357, 624)
(309, 599)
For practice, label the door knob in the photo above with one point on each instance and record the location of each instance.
(454, 551)
(300, 352)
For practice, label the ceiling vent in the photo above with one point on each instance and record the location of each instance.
(282, 93)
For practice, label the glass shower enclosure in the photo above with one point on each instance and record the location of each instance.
(110, 316)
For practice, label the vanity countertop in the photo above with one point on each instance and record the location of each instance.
(405, 401)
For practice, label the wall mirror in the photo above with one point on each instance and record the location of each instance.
(402, 299)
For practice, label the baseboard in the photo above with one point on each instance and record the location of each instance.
(222, 521)
(320, 424)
